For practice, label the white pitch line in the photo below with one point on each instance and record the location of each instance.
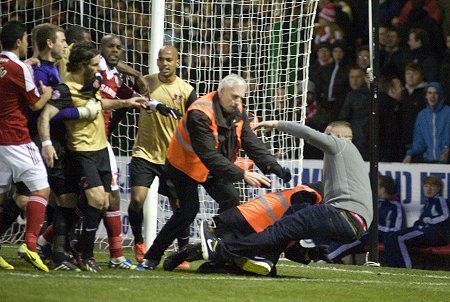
(300, 266)
(140, 275)
(375, 272)
(146, 276)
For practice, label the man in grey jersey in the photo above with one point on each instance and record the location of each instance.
(343, 217)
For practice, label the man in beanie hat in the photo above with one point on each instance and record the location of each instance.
(431, 138)
(328, 30)
(328, 12)
(431, 229)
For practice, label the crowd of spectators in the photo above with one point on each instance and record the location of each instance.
(414, 50)
(414, 45)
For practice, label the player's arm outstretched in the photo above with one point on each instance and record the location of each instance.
(125, 92)
(134, 102)
(153, 104)
(90, 111)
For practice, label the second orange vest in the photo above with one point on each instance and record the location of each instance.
(265, 210)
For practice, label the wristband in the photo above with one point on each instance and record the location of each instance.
(47, 143)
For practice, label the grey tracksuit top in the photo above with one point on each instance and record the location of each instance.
(345, 175)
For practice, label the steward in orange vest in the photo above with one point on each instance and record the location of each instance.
(198, 164)
(181, 154)
(203, 150)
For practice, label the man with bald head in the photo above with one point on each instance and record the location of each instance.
(343, 217)
(154, 134)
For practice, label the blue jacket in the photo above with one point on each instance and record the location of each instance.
(435, 214)
(432, 129)
(391, 216)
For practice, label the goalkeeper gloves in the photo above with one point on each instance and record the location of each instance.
(91, 110)
(164, 110)
(93, 85)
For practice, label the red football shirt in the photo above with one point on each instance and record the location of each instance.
(17, 92)
(108, 90)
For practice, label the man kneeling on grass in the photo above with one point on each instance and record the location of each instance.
(343, 217)
(252, 217)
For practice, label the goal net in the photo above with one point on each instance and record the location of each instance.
(267, 42)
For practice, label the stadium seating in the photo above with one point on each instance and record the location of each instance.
(434, 250)
(433, 258)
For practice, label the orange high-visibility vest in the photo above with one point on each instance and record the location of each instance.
(268, 208)
(180, 153)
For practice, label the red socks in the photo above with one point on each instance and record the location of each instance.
(48, 234)
(113, 224)
(35, 217)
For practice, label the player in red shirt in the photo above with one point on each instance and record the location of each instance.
(111, 51)
(111, 88)
(20, 159)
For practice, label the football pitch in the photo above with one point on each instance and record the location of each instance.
(295, 282)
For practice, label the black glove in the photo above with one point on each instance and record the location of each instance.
(92, 85)
(298, 253)
(283, 173)
(319, 252)
(164, 110)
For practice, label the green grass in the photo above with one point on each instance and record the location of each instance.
(295, 282)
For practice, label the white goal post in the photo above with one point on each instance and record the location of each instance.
(268, 42)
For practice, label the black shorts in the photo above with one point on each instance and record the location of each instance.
(143, 172)
(57, 175)
(22, 189)
(90, 169)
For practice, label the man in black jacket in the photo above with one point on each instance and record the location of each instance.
(202, 151)
(356, 109)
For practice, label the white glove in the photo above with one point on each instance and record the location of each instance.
(91, 110)
(151, 104)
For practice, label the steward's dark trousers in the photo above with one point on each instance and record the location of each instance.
(223, 192)
(318, 221)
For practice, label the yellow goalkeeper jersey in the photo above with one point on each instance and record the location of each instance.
(82, 135)
(155, 130)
